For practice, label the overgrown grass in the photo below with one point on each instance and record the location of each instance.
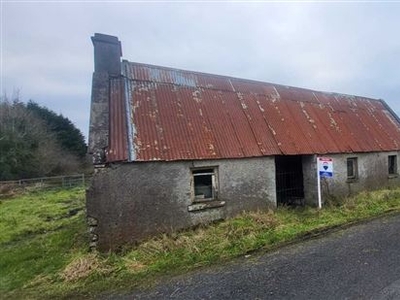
(38, 233)
(44, 253)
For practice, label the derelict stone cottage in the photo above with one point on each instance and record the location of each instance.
(175, 148)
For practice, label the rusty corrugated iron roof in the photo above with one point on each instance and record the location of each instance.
(181, 115)
(118, 134)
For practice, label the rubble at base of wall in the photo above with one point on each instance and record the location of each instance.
(94, 238)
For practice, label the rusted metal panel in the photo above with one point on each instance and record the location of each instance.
(208, 81)
(282, 126)
(256, 117)
(182, 115)
(254, 87)
(295, 94)
(243, 135)
(309, 133)
(297, 134)
(373, 119)
(327, 137)
(118, 138)
(388, 126)
(143, 72)
(339, 128)
(210, 106)
(148, 137)
(351, 116)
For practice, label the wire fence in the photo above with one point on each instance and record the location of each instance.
(289, 188)
(45, 182)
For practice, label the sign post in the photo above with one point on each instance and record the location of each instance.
(324, 169)
(319, 189)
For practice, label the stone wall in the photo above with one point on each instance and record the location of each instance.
(129, 202)
(310, 179)
(372, 174)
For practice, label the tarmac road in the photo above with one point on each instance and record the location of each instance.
(360, 262)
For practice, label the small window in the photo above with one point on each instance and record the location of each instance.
(352, 168)
(204, 184)
(392, 164)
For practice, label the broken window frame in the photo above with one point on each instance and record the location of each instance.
(392, 165)
(205, 171)
(352, 164)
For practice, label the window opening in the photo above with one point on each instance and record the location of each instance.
(352, 171)
(204, 184)
(392, 164)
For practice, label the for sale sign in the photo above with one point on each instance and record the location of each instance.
(325, 167)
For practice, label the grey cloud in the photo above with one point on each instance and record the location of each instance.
(340, 47)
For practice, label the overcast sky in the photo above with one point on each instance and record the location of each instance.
(351, 48)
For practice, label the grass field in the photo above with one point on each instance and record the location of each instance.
(44, 251)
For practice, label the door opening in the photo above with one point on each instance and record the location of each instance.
(289, 180)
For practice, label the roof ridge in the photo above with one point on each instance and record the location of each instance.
(227, 77)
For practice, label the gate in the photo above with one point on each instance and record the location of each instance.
(289, 180)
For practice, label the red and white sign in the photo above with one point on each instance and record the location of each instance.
(325, 167)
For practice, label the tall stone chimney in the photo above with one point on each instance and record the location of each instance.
(107, 54)
(107, 63)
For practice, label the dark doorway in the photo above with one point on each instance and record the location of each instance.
(289, 180)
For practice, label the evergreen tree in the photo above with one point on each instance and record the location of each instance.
(30, 148)
(69, 137)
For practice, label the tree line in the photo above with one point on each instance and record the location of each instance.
(37, 142)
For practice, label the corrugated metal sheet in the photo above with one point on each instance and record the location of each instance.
(118, 138)
(182, 115)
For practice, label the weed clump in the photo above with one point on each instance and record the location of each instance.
(80, 267)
